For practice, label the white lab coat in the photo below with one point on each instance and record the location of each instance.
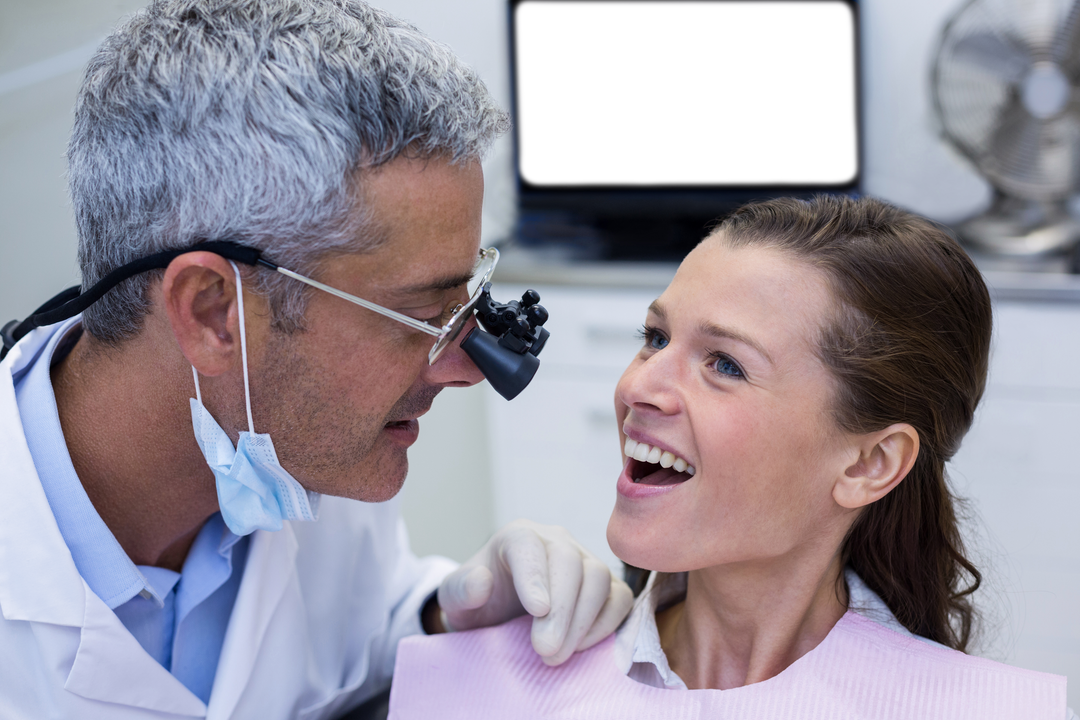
(314, 630)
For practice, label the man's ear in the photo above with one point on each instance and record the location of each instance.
(199, 295)
(885, 458)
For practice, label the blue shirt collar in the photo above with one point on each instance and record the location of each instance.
(97, 554)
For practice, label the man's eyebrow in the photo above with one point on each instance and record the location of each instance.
(437, 285)
(717, 331)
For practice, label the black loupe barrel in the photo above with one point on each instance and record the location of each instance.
(507, 371)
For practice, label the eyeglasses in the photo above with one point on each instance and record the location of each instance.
(73, 301)
(459, 316)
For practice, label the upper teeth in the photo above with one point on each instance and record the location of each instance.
(644, 452)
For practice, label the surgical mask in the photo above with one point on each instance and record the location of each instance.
(254, 491)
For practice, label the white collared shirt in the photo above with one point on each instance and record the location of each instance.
(637, 641)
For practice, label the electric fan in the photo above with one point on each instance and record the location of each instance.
(1005, 88)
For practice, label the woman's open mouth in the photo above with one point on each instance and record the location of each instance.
(651, 465)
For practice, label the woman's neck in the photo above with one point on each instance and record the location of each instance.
(742, 625)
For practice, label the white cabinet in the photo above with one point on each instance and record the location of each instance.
(555, 457)
(1019, 467)
(555, 450)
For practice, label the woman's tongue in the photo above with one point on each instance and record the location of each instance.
(650, 474)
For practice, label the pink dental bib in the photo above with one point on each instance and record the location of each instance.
(860, 670)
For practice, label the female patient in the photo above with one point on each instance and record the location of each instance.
(786, 424)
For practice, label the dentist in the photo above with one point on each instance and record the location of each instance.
(181, 464)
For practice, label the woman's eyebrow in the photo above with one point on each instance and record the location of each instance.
(717, 331)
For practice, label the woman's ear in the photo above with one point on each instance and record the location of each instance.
(885, 458)
(199, 295)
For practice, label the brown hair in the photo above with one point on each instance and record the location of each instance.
(909, 343)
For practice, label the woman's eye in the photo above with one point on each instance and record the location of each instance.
(726, 366)
(652, 338)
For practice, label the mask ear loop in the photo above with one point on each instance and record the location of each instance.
(243, 352)
(243, 345)
(198, 392)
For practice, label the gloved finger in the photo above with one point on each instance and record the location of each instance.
(595, 586)
(619, 602)
(565, 574)
(466, 589)
(526, 557)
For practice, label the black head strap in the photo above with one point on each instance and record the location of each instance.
(71, 302)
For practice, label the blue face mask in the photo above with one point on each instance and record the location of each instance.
(254, 491)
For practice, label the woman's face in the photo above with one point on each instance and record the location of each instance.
(728, 381)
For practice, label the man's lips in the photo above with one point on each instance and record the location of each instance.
(403, 432)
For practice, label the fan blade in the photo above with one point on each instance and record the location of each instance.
(1013, 150)
(1002, 57)
(1034, 159)
(1066, 48)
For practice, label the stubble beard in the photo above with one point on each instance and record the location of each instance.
(328, 447)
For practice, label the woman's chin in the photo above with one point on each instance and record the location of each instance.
(636, 548)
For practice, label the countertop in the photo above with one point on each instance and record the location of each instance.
(1030, 280)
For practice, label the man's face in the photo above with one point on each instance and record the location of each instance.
(341, 400)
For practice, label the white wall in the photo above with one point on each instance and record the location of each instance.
(37, 238)
(906, 161)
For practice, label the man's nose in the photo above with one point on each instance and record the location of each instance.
(454, 368)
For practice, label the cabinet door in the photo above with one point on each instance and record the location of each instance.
(556, 457)
(1018, 469)
(555, 450)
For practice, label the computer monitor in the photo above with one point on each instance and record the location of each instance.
(643, 120)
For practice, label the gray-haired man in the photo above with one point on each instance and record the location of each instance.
(147, 572)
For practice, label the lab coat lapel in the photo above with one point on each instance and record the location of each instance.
(38, 579)
(111, 666)
(40, 583)
(270, 567)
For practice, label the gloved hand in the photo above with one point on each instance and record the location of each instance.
(539, 569)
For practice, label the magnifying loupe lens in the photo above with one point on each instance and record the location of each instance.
(485, 265)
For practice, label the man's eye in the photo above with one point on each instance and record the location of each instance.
(441, 318)
(448, 313)
(652, 338)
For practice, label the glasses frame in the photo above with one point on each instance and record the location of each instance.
(443, 335)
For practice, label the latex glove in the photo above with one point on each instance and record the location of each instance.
(539, 569)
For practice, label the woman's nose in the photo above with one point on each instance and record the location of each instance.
(650, 384)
